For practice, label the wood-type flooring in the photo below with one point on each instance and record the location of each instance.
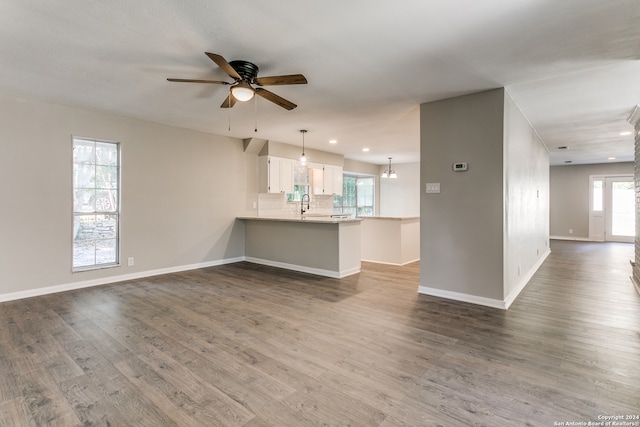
(249, 345)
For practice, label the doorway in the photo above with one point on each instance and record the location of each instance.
(620, 209)
(612, 208)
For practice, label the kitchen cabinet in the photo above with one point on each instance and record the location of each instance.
(326, 179)
(275, 174)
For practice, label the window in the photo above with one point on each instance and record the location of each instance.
(300, 183)
(598, 194)
(96, 204)
(358, 194)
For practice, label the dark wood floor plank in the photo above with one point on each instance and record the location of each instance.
(250, 345)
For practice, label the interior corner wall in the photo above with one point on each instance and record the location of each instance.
(181, 192)
(569, 197)
(526, 227)
(400, 197)
(461, 228)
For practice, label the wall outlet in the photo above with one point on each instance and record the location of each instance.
(255, 205)
(130, 261)
(571, 231)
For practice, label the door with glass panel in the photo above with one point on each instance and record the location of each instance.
(619, 201)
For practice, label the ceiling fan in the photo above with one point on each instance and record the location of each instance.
(245, 76)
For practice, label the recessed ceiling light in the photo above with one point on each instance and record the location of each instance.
(625, 133)
(365, 150)
(611, 158)
(564, 147)
(333, 141)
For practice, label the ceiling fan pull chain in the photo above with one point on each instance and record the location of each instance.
(255, 111)
(229, 98)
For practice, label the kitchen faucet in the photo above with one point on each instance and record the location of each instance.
(302, 209)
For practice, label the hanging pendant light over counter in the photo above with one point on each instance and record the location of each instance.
(389, 173)
(303, 157)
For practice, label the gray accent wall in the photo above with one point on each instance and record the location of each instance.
(181, 192)
(569, 197)
(486, 232)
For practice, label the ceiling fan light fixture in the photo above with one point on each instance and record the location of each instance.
(242, 91)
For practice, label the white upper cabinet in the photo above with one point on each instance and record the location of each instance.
(326, 179)
(275, 174)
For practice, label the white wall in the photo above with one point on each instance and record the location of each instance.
(400, 197)
(181, 192)
(526, 233)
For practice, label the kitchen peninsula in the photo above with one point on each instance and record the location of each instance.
(321, 245)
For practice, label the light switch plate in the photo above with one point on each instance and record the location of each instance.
(432, 187)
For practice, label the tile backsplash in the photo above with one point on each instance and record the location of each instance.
(275, 205)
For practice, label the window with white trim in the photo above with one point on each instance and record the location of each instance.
(358, 196)
(96, 204)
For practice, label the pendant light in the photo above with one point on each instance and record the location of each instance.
(303, 157)
(389, 173)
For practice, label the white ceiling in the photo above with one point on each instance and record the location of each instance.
(571, 65)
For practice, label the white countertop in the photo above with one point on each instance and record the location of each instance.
(391, 217)
(324, 219)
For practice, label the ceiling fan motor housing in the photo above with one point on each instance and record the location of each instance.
(247, 70)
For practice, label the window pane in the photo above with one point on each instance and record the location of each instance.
(106, 154)
(84, 175)
(84, 227)
(106, 201)
(83, 200)
(106, 177)
(106, 226)
(365, 211)
(597, 195)
(84, 253)
(623, 209)
(351, 211)
(106, 251)
(358, 193)
(83, 151)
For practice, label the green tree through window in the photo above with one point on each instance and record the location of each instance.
(358, 196)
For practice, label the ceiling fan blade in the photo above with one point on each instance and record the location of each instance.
(278, 100)
(215, 82)
(291, 79)
(229, 102)
(222, 63)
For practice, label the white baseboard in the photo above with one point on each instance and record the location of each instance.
(457, 296)
(488, 302)
(112, 279)
(391, 263)
(304, 269)
(525, 279)
(578, 239)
